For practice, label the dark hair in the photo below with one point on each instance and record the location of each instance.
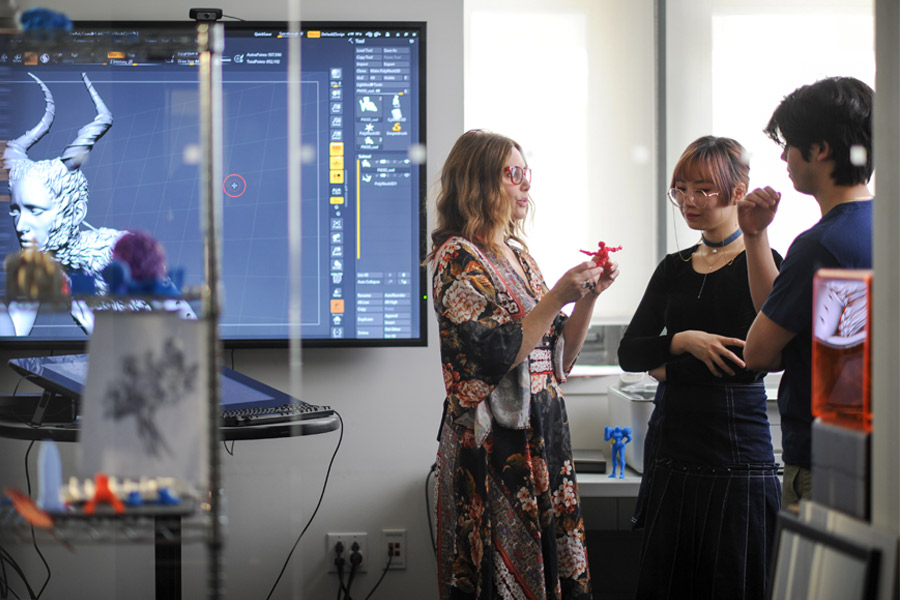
(724, 159)
(836, 110)
(471, 202)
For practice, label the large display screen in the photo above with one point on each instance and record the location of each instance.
(362, 138)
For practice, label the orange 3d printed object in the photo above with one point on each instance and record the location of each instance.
(841, 347)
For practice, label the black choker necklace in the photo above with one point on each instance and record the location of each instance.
(716, 245)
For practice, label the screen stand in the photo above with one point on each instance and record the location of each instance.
(53, 408)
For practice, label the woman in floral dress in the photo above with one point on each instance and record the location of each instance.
(508, 514)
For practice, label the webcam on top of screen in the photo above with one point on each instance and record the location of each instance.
(205, 15)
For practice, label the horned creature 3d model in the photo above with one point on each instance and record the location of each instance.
(49, 198)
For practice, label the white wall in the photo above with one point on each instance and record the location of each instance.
(390, 400)
(715, 86)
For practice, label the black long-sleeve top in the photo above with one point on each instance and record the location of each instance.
(678, 298)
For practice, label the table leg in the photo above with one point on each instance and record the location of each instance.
(167, 547)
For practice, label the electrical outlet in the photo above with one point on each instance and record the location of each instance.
(395, 542)
(348, 539)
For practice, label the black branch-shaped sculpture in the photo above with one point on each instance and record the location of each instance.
(147, 384)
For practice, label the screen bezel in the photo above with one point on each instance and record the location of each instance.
(27, 343)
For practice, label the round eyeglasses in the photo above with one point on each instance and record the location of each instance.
(518, 174)
(699, 198)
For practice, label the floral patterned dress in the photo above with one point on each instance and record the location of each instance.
(508, 515)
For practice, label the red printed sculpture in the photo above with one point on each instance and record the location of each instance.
(103, 495)
(601, 256)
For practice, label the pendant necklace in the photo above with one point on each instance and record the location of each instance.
(702, 283)
(709, 267)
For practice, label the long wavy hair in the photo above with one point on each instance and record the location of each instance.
(471, 202)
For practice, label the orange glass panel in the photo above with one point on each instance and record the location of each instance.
(841, 347)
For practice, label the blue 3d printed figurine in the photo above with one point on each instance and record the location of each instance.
(619, 436)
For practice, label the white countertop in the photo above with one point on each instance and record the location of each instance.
(601, 485)
(594, 370)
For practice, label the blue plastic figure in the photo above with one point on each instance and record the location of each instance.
(167, 497)
(134, 499)
(620, 436)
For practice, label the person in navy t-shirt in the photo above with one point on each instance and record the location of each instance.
(825, 130)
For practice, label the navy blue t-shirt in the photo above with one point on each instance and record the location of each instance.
(841, 240)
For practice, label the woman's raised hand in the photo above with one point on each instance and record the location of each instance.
(712, 349)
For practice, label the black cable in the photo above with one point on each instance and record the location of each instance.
(383, 573)
(27, 477)
(230, 451)
(340, 571)
(4, 586)
(235, 18)
(318, 504)
(355, 560)
(339, 564)
(33, 538)
(6, 557)
(43, 560)
(431, 472)
(342, 591)
(5, 590)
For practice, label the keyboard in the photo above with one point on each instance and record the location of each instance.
(294, 411)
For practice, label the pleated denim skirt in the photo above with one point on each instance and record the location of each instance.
(710, 494)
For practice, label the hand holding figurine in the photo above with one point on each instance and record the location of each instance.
(578, 281)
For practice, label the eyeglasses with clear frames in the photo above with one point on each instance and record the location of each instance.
(518, 174)
(699, 198)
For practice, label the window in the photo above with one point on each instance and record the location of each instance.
(575, 82)
(572, 82)
(740, 59)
